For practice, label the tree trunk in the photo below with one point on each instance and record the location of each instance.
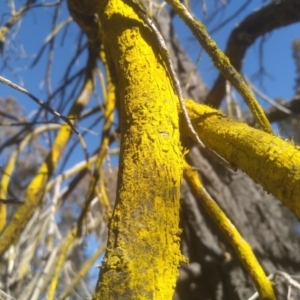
(143, 255)
(214, 271)
(145, 219)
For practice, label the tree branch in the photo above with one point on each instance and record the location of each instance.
(268, 160)
(271, 16)
(275, 114)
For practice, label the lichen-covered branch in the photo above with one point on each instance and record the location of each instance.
(222, 63)
(36, 187)
(110, 102)
(82, 272)
(143, 253)
(270, 161)
(275, 14)
(10, 166)
(241, 247)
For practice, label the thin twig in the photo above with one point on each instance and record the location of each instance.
(268, 99)
(222, 63)
(38, 101)
(289, 280)
(165, 53)
(11, 201)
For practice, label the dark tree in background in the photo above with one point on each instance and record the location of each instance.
(60, 239)
(214, 271)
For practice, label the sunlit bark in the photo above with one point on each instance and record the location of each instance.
(270, 161)
(143, 247)
(142, 252)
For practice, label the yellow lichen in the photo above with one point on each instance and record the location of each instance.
(36, 188)
(143, 244)
(270, 161)
(241, 247)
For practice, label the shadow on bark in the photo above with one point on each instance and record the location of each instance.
(214, 272)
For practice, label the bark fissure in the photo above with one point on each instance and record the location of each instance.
(143, 253)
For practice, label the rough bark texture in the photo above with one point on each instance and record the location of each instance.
(214, 272)
(143, 255)
(260, 218)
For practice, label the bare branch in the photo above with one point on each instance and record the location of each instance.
(274, 15)
(38, 101)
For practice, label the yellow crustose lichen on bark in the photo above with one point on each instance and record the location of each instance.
(270, 161)
(241, 247)
(143, 246)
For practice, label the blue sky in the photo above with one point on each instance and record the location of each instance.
(277, 48)
(29, 35)
(34, 28)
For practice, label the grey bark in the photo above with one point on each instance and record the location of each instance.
(214, 272)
